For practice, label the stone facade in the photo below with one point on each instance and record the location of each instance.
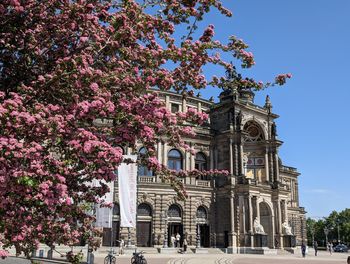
(240, 137)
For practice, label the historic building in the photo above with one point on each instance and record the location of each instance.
(260, 198)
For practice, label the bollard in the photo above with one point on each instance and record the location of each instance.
(90, 258)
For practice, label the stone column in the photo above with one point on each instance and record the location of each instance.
(241, 159)
(167, 101)
(277, 172)
(165, 154)
(267, 166)
(159, 154)
(231, 156)
(242, 219)
(199, 107)
(158, 225)
(187, 165)
(250, 231)
(257, 208)
(192, 165)
(296, 191)
(211, 157)
(271, 168)
(233, 233)
(284, 208)
(279, 223)
(184, 104)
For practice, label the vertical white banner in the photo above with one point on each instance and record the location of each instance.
(127, 184)
(104, 214)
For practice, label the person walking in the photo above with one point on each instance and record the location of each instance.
(303, 250)
(348, 260)
(121, 246)
(315, 247)
(185, 244)
(173, 241)
(330, 247)
(178, 237)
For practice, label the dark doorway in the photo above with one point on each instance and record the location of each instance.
(205, 235)
(106, 237)
(226, 239)
(144, 234)
(173, 229)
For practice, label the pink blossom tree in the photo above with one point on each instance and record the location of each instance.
(66, 64)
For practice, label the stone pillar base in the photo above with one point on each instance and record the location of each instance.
(169, 250)
(258, 250)
(232, 250)
(200, 250)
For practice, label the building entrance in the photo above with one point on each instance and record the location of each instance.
(266, 222)
(204, 235)
(144, 234)
(173, 229)
(107, 232)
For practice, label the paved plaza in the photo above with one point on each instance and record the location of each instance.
(322, 258)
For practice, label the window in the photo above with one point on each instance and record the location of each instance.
(174, 160)
(175, 108)
(174, 211)
(202, 213)
(200, 162)
(144, 210)
(255, 168)
(253, 132)
(143, 170)
(201, 165)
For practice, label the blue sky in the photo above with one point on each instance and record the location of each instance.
(311, 40)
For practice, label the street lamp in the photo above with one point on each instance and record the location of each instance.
(164, 219)
(326, 232)
(338, 222)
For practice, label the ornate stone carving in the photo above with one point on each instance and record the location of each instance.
(287, 229)
(258, 228)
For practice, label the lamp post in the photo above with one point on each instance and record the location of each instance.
(164, 219)
(337, 222)
(326, 231)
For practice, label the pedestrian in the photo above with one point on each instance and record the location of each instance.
(277, 244)
(348, 260)
(178, 237)
(315, 247)
(173, 241)
(330, 247)
(185, 244)
(121, 246)
(303, 249)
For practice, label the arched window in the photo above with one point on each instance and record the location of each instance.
(144, 210)
(253, 132)
(202, 213)
(200, 161)
(143, 170)
(174, 211)
(174, 160)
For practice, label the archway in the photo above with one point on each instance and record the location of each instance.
(144, 225)
(111, 237)
(203, 227)
(175, 224)
(266, 222)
